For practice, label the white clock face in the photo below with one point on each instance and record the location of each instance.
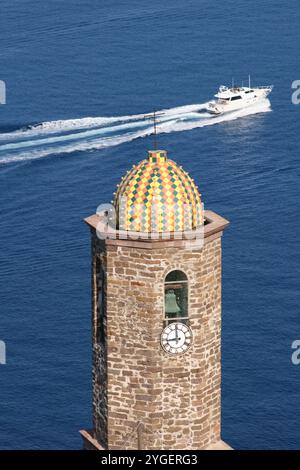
(176, 338)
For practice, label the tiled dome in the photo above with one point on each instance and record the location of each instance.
(158, 196)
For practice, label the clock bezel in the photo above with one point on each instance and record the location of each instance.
(176, 353)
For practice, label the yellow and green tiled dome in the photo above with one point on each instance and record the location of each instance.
(157, 195)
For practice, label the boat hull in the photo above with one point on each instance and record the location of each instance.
(216, 108)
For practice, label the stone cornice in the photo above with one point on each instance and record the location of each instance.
(212, 229)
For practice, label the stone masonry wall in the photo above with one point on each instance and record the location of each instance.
(99, 320)
(154, 400)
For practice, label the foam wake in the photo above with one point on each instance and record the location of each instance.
(94, 133)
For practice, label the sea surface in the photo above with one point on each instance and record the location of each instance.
(80, 76)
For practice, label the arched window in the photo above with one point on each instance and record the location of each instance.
(176, 297)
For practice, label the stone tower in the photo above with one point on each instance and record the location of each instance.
(156, 314)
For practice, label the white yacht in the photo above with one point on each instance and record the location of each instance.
(234, 98)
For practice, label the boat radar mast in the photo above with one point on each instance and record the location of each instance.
(249, 82)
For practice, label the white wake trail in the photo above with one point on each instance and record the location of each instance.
(97, 144)
(179, 125)
(69, 137)
(65, 137)
(60, 126)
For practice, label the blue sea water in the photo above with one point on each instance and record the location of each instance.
(72, 60)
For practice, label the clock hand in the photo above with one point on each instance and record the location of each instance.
(176, 329)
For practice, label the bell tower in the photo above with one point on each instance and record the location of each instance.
(156, 314)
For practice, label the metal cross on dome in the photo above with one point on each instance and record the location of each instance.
(153, 116)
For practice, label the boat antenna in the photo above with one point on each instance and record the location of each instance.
(153, 117)
(249, 79)
(232, 82)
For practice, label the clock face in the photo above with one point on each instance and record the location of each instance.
(176, 338)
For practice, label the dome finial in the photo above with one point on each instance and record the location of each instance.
(153, 117)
